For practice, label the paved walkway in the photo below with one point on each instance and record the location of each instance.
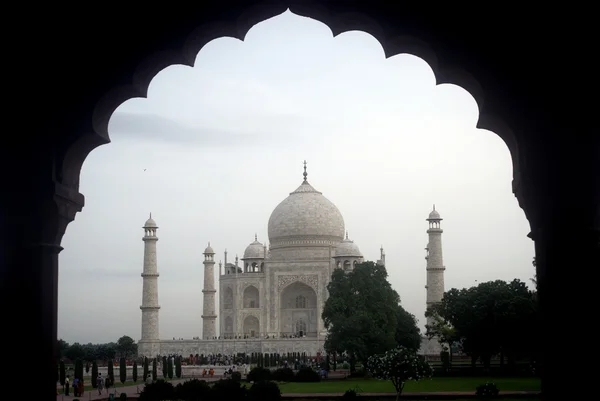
(132, 392)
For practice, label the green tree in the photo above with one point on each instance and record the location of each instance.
(178, 367)
(87, 367)
(94, 374)
(111, 372)
(154, 372)
(492, 318)
(408, 333)
(399, 365)
(75, 351)
(360, 313)
(63, 373)
(165, 367)
(123, 370)
(441, 330)
(170, 367)
(146, 367)
(135, 373)
(126, 346)
(62, 348)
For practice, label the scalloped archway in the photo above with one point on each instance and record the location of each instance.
(339, 22)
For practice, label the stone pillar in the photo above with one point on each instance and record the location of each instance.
(209, 315)
(35, 210)
(560, 194)
(149, 344)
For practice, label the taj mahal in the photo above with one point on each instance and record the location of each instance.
(271, 301)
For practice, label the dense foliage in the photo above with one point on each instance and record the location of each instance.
(363, 315)
(124, 347)
(493, 318)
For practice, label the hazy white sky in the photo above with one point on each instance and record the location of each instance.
(214, 148)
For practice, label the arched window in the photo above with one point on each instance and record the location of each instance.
(300, 302)
(346, 265)
(301, 327)
(228, 298)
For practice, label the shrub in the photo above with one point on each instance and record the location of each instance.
(123, 396)
(258, 374)
(192, 390)
(227, 390)
(487, 390)
(359, 374)
(158, 391)
(178, 367)
(237, 376)
(146, 368)
(111, 372)
(345, 365)
(134, 373)
(95, 375)
(122, 370)
(445, 357)
(78, 369)
(264, 390)
(306, 375)
(283, 375)
(399, 365)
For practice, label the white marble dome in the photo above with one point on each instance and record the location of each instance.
(347, 248)
(434, 215)
(150, 223)
(305, 217)
(255, 250)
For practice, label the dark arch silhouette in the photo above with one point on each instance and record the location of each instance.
(67, 73)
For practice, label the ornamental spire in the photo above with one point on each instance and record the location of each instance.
(305, 173)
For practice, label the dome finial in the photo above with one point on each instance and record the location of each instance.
(434, 206)
(150, 214)
(346, 234)
(255, 237)
(305, 173)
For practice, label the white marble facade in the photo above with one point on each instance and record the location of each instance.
(271, 301)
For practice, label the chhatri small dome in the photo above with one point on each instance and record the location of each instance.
(347, 248)
(307, 216)
(209, 249)
(434, 215)
(150, 223)
(255, 250)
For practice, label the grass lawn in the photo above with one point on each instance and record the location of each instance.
(430, 385)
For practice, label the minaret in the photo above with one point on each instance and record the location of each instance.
(381, 260)
(209, 316)
(435, 262)
(149, 342)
